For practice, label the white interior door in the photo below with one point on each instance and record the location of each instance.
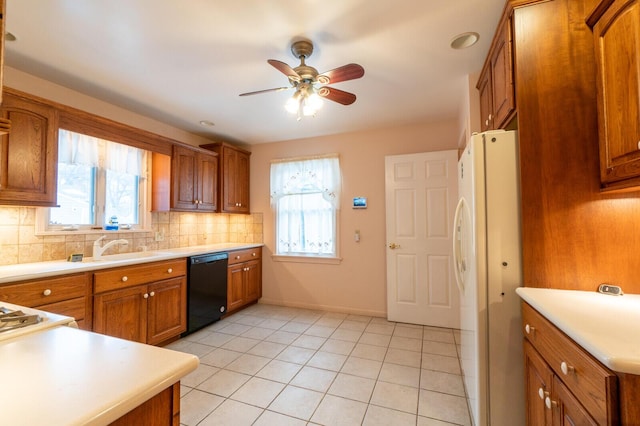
(421, 196)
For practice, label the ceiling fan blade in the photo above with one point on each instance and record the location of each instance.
(284, 69)
(335, 95)
(343, 73)
(277, 89)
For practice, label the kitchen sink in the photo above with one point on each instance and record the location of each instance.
(127, 256)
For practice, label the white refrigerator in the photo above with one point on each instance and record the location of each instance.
(488, 269)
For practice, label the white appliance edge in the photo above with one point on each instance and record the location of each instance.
(488, 269)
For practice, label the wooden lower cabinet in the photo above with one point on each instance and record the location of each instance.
(564, 384)
(64, 295)
(244, 278)
(162, 409)
(147, 310)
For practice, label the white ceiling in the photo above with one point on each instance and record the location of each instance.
(181, 62)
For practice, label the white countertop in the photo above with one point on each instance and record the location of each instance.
(28, 271)
(608, 327)
(66, 376)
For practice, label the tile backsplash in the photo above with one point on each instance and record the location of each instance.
(20, 244)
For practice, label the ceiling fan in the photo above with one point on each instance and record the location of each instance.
(311, 86)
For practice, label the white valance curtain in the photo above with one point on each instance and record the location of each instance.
(307, 175)
(79, 149)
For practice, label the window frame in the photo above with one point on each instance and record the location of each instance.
(298, 257)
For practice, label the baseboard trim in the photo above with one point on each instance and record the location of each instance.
(331, 308)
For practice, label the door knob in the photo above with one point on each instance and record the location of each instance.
(394, 246)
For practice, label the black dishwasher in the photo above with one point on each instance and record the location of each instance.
(206, 290)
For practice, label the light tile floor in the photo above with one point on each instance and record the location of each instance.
(273, 365)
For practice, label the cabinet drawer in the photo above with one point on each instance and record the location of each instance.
(75, 308)
(585, 377)
(114, 279)
(240, 256)
(42, 292)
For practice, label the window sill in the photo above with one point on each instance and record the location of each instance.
(327, 260)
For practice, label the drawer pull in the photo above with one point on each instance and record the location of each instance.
(237, 257)
(47, 292)
(253, 254)
(529, 329)
(146, 295)
(566, 368)
(550, 403)
(125, 279)
(170, 270)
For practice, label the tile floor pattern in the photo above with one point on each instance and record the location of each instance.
(273, 365)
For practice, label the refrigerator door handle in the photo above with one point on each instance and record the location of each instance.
(459, 261)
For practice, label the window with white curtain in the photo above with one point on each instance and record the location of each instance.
(98, 179)
(305, 194)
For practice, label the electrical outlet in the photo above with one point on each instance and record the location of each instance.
(159, 236)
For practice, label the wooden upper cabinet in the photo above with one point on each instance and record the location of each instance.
(233, 177)
(193, 179)
(3, 10)
(486, 100)
(496, 86)
(28, 155)
(616, 30)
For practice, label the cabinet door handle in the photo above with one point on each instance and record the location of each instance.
(566, 368)
(638, 144)
(146, 295)
(153, 293)
(541, 393)
(125, 278)
(550, 403)
(47, 292)
(529, 329)
(170, 270)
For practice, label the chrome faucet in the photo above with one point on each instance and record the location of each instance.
(99, 250)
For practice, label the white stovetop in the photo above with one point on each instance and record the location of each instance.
(67, 376)
(608, 327)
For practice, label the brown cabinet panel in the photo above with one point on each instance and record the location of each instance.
(244, 278)
(254, 280)
(590, 391)
(567, 409)
(65, 295)
(502, 76)
(235, 287)
(617, 44)
(149, 306)
(167, 310)
(162, 409)
(496, 82)
(194, 175)
(233, 177)
(538, 383)
(28, 155)
(122, 313)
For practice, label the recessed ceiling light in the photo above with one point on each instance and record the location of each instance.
(464, 40)
(207, 123)
(9, 36)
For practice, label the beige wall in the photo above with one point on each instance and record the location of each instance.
(358, 284)
(45, 89)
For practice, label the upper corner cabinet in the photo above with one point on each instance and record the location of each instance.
(616, 31)
(28, 154)
(497, 97)
(233, 177)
